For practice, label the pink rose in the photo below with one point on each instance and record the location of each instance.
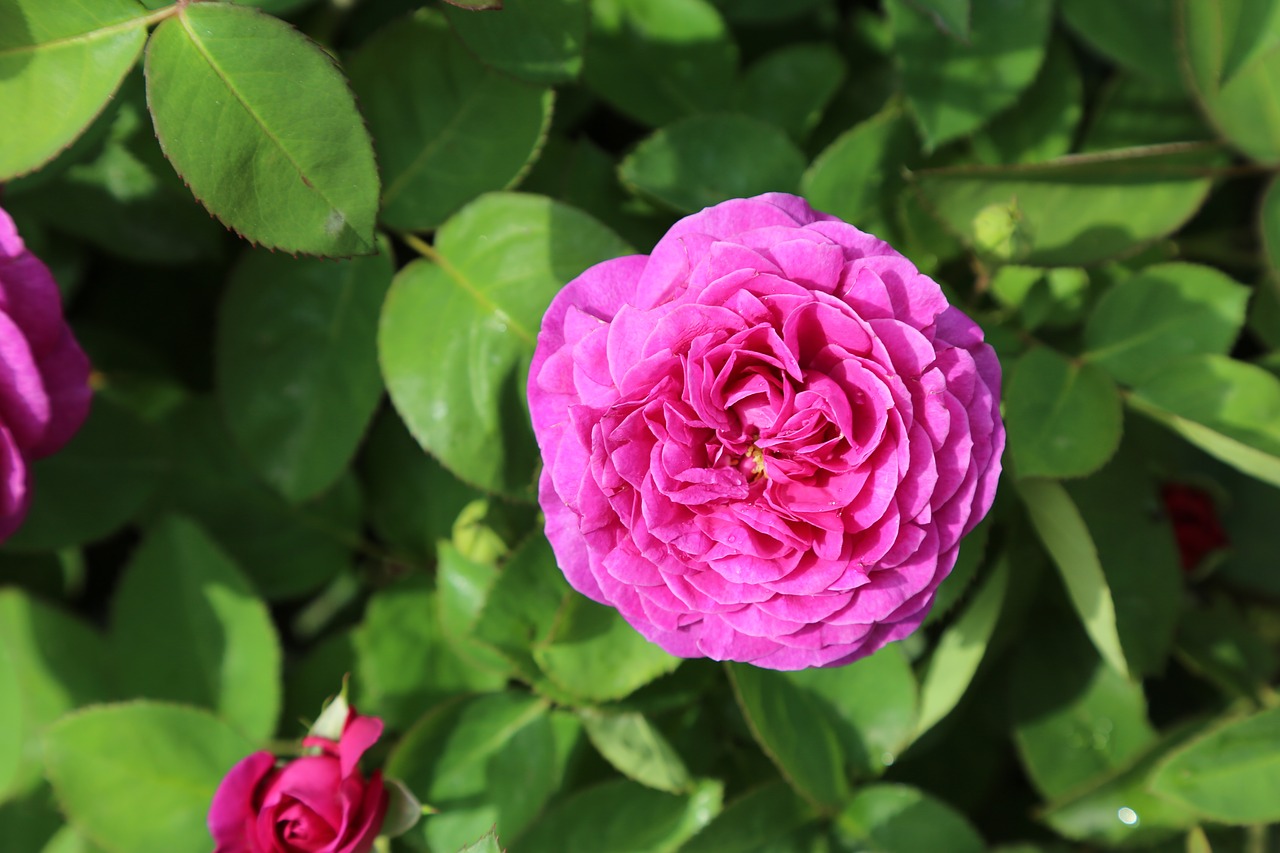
(44, 375)
(315, 804)
(764, 441)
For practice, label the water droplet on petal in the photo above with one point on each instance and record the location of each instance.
(1127, 816)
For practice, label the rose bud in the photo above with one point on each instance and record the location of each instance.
(44, 389)
(764, 441)
(1195, 523)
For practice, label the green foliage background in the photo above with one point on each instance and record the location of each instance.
(247, 515)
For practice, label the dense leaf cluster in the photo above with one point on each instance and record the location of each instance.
(247, 516)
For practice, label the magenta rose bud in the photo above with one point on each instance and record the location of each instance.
(44, 375)
(764, 441)
(320, 803)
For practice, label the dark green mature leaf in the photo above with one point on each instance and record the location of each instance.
(50, 663)
(523, 605)
(1228, 774)
(1064, 417)
(463, 586)
(95, 484)
(1136, 34)
(191, 630)
(1133, 111)
(469, 130)
(297, 363)
(30, 822)
(261, 125)
(792, 727)
(760, 816)
(1044, 124)
(956, 87)
(1163, 313)
(536, 40)
(1228, 408)
(1269, 228)
(891, 818)
(622, 815)
(854, 174)
(1075, 718)
(634, 746)
(951, 16)
(702, 160)
(172, 758)
(1219, 643)
(59, 65)
(1074, 211)
(1229, 49)
(457, 335)
(1061, 528)
(791, 87)
(659, 60)
(766, 12)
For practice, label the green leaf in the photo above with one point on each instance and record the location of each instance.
(68, 840)
(1063, 417)
(871, 703)
(1217, 642)
(403, 663)
(793, 728)
(536, 40)
(191, 630)
(703, 160)
(457, 334)
(472, 129)
(285, 550)
(488, 844)
(1074, 211)
(791, 87)
(261, 125)
(32, 821)
(1133, 111)
(960, 650)
(59, 65)
(1230, 773)
(622, 815)
(749, 823)
(463, 588)
(172, 757)
(1228, 48)
(950, 16)
(1136, 34)
(1163, 313)
(634, 746)
(594, 655)
(1044, 124)
(1269, 228)
(297, 366)
(852, 177)
(953, 87)
(50, 663)
(1060, 527)
(96, 484)
(1228, 408)
(659, 60)
(891, 818)
(523, 605)
(1075, 718)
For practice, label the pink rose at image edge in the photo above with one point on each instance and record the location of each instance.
(764, 441)
(311, 804)
(44, 375)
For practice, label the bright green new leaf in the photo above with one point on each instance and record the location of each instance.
(622, 815)
(955, 87)
(1074, 211)
(1163, 313)
(703, 160)
(68, 840)
(488, 844)
(961, 649)
(172, 758)
(448, 127)
(1136, 34)
(458, 331)
(855, 174)
(50, 663)
(794, 729)
(1230, 773)
(765, 814)
(1060, 527)
(1228, 408)
(536, 40)
(297, 363)
(1063, 417)
(261, 125)
(192, 630)
(59, 65)
(97, 483)
(791, 87)
(891, 818)
(634, 746)
(660, 60)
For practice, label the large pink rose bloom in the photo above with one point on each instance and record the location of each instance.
(44, 375)
(764, 441)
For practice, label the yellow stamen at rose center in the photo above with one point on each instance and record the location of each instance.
(756, 455)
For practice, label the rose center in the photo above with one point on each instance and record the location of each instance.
(752, 464)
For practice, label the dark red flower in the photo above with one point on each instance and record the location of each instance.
(1195, 522)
